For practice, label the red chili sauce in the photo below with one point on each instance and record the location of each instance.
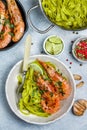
(81, 50)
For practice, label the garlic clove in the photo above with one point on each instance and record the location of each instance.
(79, 107)
(77, 77)
(80, 84)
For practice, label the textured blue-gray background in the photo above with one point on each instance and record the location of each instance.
(8, 121)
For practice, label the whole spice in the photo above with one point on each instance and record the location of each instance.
(80, 64)
(70, 62)
(79, 107)
(76, 32)
(80, 84)
(66, 59)
(77, 77)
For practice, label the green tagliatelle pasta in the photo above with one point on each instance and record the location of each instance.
(70, 14)
(31, 97)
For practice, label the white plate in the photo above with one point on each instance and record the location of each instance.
(11, 86)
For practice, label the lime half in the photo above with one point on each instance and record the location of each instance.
(55, 39)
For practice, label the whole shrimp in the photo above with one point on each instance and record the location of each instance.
(16, 19)
(64, 89)
(2, 14)
(5, 37)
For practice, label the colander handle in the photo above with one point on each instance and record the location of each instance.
(30, 21)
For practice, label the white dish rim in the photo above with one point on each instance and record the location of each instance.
(51, 120)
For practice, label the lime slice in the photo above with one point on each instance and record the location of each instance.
(55, 39)
(57, 48)
(36, 66)
(49, 47)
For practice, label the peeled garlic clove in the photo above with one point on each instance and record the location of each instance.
(80, 84)
(78, 108)
(77, 77)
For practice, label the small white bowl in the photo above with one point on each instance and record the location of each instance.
(73, 48)
(44, 45)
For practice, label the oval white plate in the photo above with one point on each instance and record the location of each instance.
(11, 86)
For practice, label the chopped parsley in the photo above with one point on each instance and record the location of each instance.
(51, 94)
(60, 83)
(12, 34)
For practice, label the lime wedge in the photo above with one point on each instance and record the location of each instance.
(36, 66)
(49, 47)
(57, 48)
(55, 40)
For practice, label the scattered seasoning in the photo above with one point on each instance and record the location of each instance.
(1, 34)
(51, 94)
(12, 34)
(11, 25)
(80, 64)
(73, 31)
(60, 83)
(66, 59)
(7, 21)
(76, 32)
(70, 62)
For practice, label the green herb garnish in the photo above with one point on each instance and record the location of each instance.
(12, 34)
